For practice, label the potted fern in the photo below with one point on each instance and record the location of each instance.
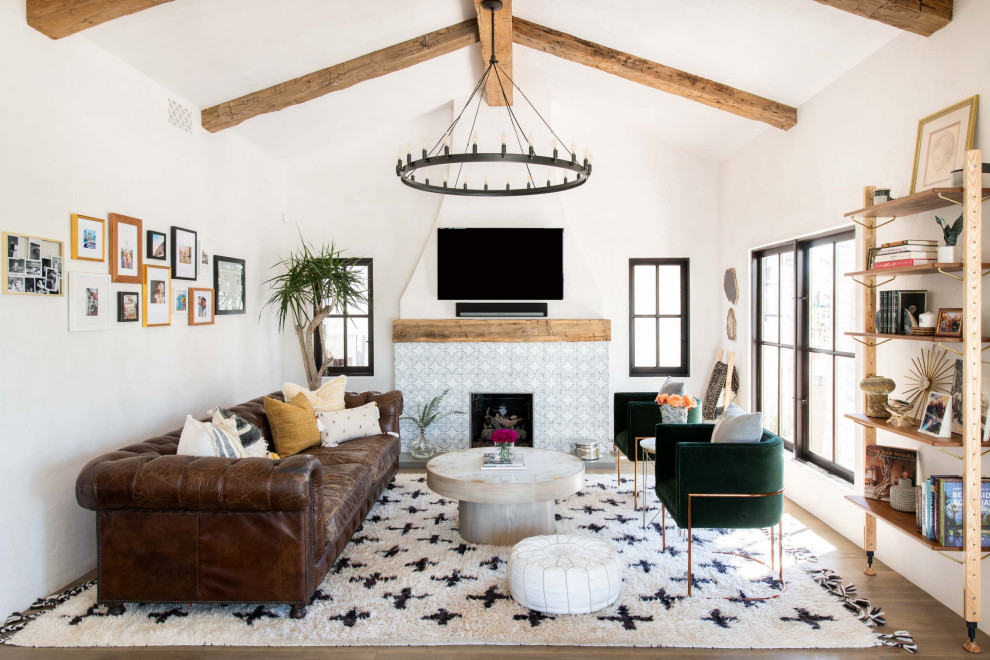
(425, 417)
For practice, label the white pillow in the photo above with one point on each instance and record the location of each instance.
(736, 425)
(350, 424)
(327, 398)
(206, 439)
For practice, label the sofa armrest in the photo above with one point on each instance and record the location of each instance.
(125, 480)
(669, 436)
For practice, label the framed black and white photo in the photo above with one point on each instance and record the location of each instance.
(184, 254)
(89, 302)
(156, 245)
(228, 283)
(88, 238)
(126, 259)
(157, 296)
(33, 265)
(128, 306)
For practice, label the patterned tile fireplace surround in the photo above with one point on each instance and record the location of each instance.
(563, 363)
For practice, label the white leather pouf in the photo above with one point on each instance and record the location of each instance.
(563, 574)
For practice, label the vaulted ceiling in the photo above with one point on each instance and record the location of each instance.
(210, 52)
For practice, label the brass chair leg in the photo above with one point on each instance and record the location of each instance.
(663, 525)
(771, 547)
(689, 545)
(636, 476)
(780, 548)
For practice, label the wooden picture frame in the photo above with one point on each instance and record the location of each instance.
(152, 239)
(32, 265)
(89, 238)
(89, 301)
(185, 254)
(950, 323)
(128, 306)
(157, 289)
(126, 257)
(943, 138)
(202, 308)
(229, 285)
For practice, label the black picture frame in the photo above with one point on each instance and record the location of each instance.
(120, 306)
(175, 257)
(148, 241)
(220, 293)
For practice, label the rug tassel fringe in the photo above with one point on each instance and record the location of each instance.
(901, 639)
(864, 610)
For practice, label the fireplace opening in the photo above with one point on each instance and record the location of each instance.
(493, 411)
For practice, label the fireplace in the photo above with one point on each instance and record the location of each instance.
(493, 411)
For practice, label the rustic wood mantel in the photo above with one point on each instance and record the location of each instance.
(498, 330)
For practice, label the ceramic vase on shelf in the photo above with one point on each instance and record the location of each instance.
(422, 447)
(902, 496)
(948, 254)
(673, 414)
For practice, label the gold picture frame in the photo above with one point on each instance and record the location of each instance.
(941, 146)
(24, 259)
(99, 238)
(201, 306)
(157, 294)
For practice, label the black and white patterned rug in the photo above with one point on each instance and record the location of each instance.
(407, 578)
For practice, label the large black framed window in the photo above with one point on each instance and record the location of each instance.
(659, 317)
(349, 332)
(805, 365)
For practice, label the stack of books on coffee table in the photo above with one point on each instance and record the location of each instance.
(493, 462)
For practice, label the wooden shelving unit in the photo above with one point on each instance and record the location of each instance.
(970, 270)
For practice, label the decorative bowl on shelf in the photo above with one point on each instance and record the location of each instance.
(918, 331)
(898, 409)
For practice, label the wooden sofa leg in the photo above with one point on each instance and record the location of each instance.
(298, 612)
(116, 610)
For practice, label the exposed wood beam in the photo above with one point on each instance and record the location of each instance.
(341, 76)
(503, 49)
(924, 17)
(60, 18)
(652, 74)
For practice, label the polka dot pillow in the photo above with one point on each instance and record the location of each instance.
(350, 424)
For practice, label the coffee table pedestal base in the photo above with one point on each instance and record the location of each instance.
(505, 524)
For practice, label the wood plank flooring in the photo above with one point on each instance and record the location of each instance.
(938, 631)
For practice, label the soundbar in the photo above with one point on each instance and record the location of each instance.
(503, 310)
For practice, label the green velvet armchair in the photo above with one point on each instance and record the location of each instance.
(725, 485)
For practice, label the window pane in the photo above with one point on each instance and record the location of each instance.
(334, 339)
(357, 342)
(820, 405)
(644, 290)
(787, 298)
(768, 400)
(670, 342)
(821, 271)
(771, 297)
(670, 290)
(361, 308)
(845, 402)
(645, 346)
(787, 393)
(845, 305)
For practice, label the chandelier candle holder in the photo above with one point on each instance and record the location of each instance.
(440, 154)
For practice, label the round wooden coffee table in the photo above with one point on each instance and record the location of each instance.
(505, 507)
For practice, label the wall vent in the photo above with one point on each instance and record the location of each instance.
(179, 116)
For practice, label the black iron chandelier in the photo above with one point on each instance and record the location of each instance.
(440, 154)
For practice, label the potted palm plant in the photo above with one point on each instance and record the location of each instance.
(314, 283)
(425, 417)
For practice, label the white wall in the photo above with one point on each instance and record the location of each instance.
(860, 131)
(81, 132)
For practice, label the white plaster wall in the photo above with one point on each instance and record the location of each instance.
(860, 131)
(82, 132)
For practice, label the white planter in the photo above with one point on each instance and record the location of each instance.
(948, 254)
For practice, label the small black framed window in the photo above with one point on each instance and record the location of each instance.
(659, 317)
(349, 332)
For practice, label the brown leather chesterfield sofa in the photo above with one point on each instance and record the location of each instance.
(182, 529)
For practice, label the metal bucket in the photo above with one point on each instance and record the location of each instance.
(587, 451)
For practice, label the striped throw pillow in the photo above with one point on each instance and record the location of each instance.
(206, 439)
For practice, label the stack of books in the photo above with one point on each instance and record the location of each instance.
(894, 305)
(939, 515)
(913, 252)
(493, 462)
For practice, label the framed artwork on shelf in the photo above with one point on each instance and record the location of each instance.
(943, 139)
(936, 418)
(201, 307)
(128, 306)
(88, 238)
(184, 251)
(33, 265)
(228, 283)
(156, 245)
(89, 302)
(957, 397)
(950, 323)
(125, 249)
(157, 296)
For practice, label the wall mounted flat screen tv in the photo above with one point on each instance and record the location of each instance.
(500, 264)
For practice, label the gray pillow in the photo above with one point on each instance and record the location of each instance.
(736, 425)
(671, 386)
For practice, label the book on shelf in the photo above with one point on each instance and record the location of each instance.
(904, 262)
(900, 256)
(901, 249)
(939, 516)
(493, 462)
(884, 465)
(910, 241)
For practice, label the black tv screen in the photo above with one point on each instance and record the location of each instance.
(500, 264)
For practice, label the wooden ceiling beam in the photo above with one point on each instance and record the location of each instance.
(503, 49)
(652, 74)
(61, 18)
(340, 76)
(924, 17)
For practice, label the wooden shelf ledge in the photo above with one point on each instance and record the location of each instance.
(930, 339)
(926, 200)
(908, 431)
(948, 267)
(498, 330)
(898, 519)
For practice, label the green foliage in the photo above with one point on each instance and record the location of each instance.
(427, 415)
(950, 232)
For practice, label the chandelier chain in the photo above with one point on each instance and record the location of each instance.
(534, 109)
(514, 122)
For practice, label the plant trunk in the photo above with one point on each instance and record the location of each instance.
(305, 332)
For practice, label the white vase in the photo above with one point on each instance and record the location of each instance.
(948, 254)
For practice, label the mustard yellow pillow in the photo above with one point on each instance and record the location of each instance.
(329, 397)
(293, 424)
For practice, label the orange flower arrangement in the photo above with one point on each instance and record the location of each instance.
(677, 400)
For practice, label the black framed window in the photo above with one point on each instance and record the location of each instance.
(805, 375)
(659, 317)
(349, 332)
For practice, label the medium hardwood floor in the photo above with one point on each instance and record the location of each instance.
(938, 631)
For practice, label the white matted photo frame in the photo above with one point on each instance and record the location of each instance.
(32, 265)
(201, 311)
(157, 296)
(185, 254)
(943, 139)
(89, 302)
(88, 238)
(936, 418)
(126, 259)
